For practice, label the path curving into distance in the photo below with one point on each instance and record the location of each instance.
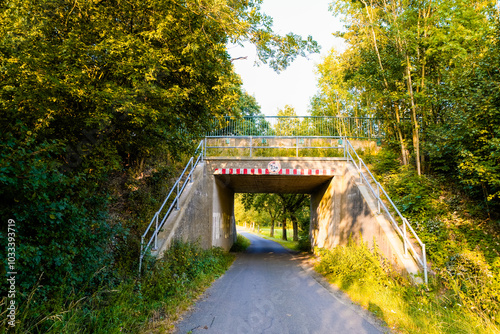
(266, 290)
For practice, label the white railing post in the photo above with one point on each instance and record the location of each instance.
(203, 149)
(404, 236)
(251, 146)
(297, 146)
(141, 255)
(424, 258)
(156, 231)
(345, 148)
(378, 197)
(360, 172)
(191, 172)
(177, 197)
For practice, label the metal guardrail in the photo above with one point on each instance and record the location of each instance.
(350, 127)
(377, 192)
(178, 187)
(247, 142)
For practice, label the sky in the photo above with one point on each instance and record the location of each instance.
(297, 84)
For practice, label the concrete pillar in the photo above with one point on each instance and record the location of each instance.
(223, 223)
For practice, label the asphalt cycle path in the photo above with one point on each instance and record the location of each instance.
(266, 290)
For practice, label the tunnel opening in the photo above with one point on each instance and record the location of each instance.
(276, 215)
(278, 206)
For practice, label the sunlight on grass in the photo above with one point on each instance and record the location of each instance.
(404, 307)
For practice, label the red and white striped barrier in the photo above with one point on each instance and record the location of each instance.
(265, 171)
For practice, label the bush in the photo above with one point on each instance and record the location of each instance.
(179, 267)
(304, 244)
(412, 194)
(62, 231)
(384, 162)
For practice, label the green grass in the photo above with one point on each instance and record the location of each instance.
(151, 303)
(241, 244)
(404, 307)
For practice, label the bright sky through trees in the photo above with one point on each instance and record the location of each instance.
(297, 84)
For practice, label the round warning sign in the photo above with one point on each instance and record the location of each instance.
(274, 167)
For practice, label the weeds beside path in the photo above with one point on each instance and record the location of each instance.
(149, 304)
(404, 307)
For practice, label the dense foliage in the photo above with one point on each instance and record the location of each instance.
(430, 70)
(269, 209)
(462, 244)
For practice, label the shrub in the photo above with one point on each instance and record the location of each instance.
(304, 244)
(171, 281)
(412, 194)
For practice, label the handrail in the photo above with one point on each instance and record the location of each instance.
(200, 150)
(296, 146)
(352, 127)
(380, 203)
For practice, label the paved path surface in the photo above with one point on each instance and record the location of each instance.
(267, 291)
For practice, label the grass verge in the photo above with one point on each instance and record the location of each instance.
(152, 303)
(369, 281)
(241, 244)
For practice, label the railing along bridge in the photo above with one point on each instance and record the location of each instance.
(310, 126)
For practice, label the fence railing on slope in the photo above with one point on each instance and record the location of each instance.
(161, 216)
(351, 127)
(402, 228)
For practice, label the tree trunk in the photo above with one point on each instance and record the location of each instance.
(295, 229)
(416, 140)
(375, 45)
(400, 136)
(271, 231)
(284, 230)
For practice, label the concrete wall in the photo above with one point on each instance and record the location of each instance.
(206, 214)
(339, 211)
(223, 223)
(344, 208)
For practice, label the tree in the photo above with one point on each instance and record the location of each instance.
(268, 202)
(468, 144)
(287, 126)
(92, 90)
(423, 65)
(246, 118)
(400, 51)
(292, 205)
(279, 206)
